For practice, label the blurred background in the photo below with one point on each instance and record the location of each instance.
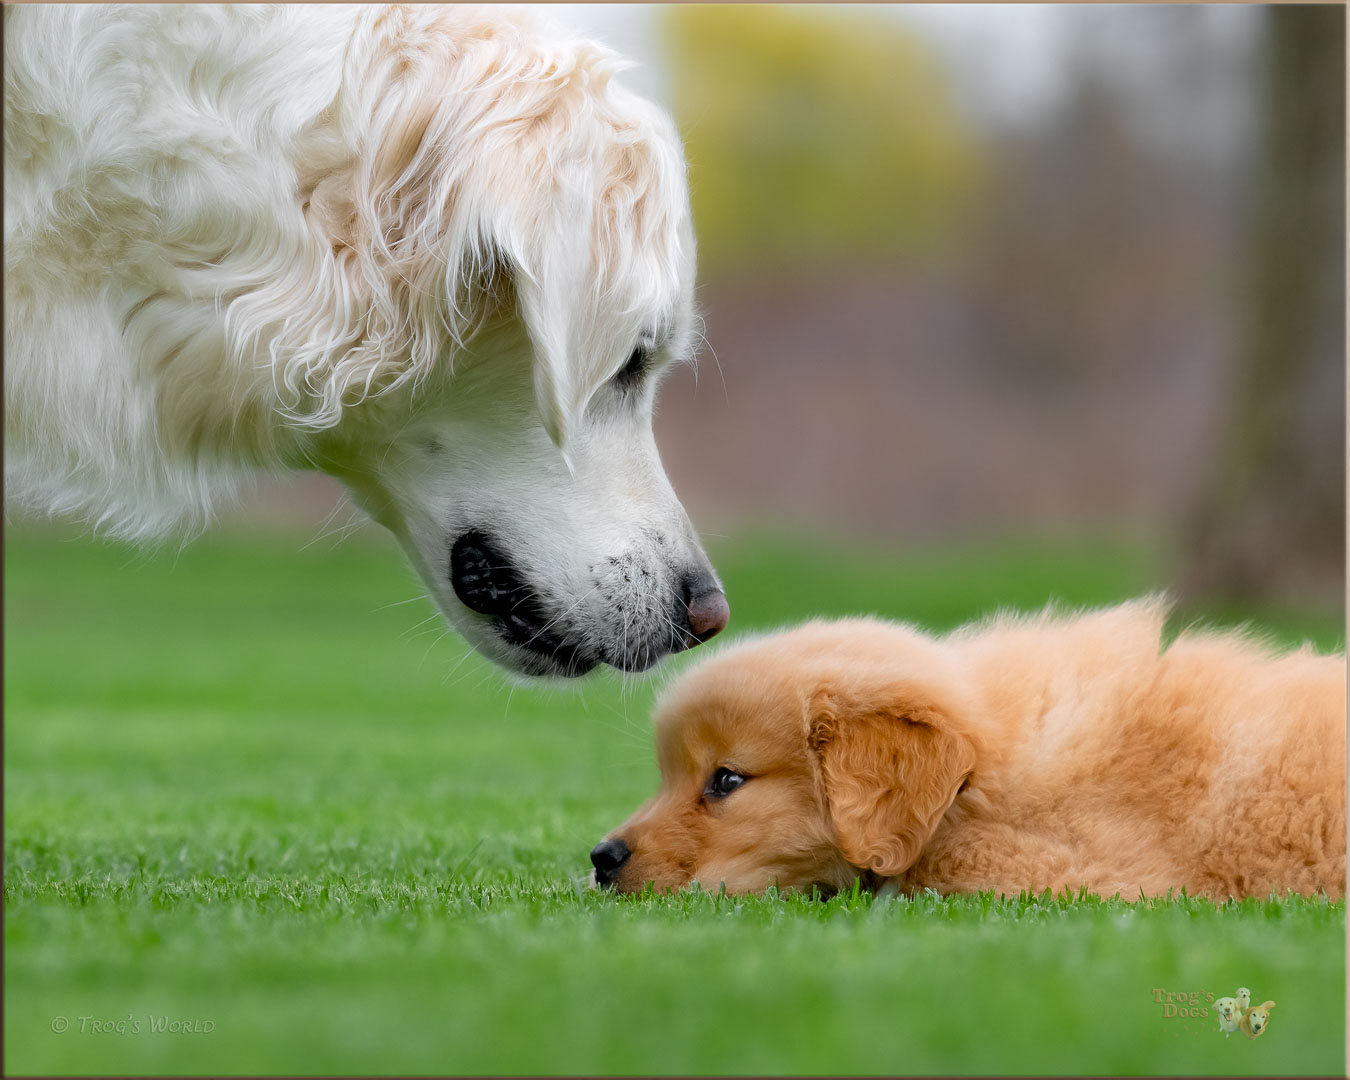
(977, 273)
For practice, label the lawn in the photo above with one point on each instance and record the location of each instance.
(253, 797)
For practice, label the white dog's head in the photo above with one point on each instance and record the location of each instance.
(434, 251)
(518, 232)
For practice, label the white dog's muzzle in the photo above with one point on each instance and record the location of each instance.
(551, 642)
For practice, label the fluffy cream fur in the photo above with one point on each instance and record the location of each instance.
(410, 246)
(1053, 752)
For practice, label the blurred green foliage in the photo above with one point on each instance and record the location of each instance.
(815, 135)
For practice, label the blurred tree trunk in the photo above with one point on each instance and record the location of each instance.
(1272, 525)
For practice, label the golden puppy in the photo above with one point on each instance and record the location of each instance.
(1021, 753)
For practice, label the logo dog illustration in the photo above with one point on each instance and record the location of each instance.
(1239, 1014)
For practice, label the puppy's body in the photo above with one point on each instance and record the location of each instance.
(1049, 752)
(1111, 762)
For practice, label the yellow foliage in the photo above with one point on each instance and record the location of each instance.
(816, 132)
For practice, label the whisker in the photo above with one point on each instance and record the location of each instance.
(563, 614)
(441, 637)
(400, 603)
(429, 618)
(342, 504)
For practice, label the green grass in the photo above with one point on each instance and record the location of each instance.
(243, 790)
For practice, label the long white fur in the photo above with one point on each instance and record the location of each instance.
(325, 237)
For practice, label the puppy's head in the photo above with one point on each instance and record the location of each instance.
(810, 758)
(517, 231)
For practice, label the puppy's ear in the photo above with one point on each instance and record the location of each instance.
(891, 762)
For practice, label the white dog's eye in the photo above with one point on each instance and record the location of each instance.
(724, 782)
(630, 376)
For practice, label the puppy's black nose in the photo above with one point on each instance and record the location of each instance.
(706, 610)
(608, 858)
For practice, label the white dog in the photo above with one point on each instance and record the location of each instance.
(437, 253)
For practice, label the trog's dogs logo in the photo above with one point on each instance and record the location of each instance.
(1235, 1013)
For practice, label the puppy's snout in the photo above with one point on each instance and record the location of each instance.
(706, 608)
(608, 858)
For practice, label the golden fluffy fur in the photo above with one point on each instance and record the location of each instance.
(1022, 753)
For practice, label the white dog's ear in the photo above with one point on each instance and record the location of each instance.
(436, 247)
(551, 302)
(409, 263)
(500, 182)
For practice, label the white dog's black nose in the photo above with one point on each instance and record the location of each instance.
(706, 608)
(608, 858)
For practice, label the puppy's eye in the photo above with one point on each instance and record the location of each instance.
(724, 782)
